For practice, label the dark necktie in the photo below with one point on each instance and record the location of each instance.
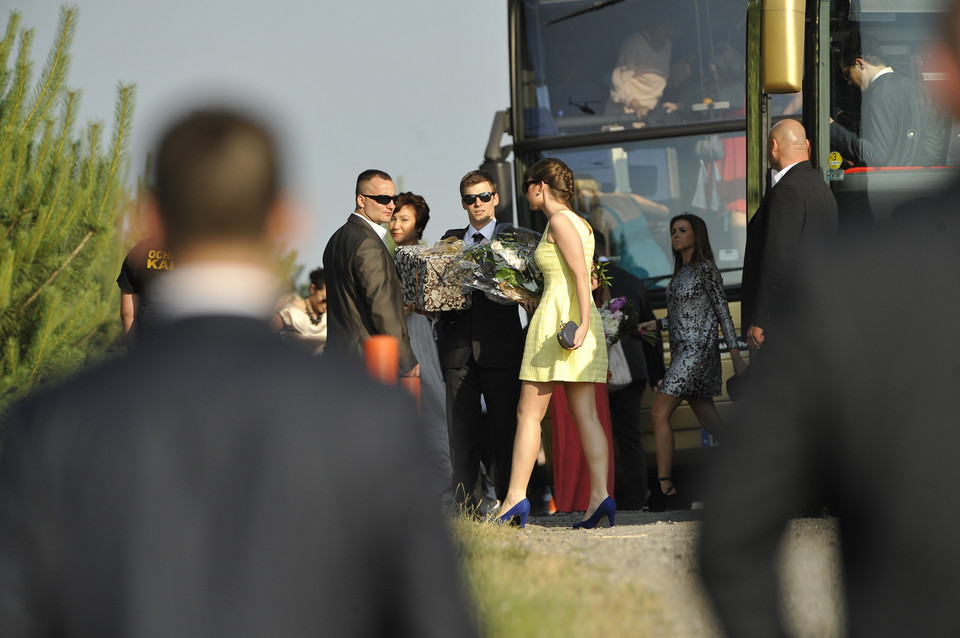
(477, 238)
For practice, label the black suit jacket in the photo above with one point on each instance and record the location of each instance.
(858, 415)
(894, 126)
(644, 359)
(363, 292)
(489, 330)
(797, 217)
(196, 488)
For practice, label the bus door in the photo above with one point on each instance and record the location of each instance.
(888, 145)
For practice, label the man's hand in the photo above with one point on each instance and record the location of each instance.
(415, 372)
(755, 337)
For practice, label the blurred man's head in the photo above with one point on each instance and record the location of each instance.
(945, 58)
(217, 180)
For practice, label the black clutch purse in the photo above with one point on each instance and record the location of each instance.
(566, 334)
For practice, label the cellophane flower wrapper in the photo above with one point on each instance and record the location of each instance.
(504, 269)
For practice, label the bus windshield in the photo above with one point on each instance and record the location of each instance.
(644, 100)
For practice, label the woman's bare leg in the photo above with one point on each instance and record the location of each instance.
(534, 401)
(707, 414)
(582, 398)
(663, 408)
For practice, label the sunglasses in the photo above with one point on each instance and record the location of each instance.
(530, 182)
(383, 200)
(484, 197)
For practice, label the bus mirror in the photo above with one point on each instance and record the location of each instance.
(782, 45)
(502, 171)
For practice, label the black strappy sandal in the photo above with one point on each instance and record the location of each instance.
(659, 500)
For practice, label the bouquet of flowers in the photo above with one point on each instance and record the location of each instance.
(504, 269)
(620, 320)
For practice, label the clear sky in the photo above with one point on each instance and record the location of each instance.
(406, 86)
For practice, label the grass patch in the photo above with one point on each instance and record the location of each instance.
(525, 583)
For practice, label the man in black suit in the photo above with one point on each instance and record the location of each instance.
(363, 287)
(480, 352)
(797, 216)
(859, 413)
(216, 482)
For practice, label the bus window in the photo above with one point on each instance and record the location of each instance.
(643, 63)
(630, 192)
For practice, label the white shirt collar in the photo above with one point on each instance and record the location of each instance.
(217, 288)
(882, 71)
(778, 175)
(381, 231)
(486, 231)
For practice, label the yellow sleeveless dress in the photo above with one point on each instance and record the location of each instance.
(543, 357)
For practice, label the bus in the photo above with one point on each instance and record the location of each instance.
(662, 108)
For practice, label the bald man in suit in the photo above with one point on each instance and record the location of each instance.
(215, 481)
(798, 216)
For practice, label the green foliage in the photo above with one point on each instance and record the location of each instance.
(61, 194)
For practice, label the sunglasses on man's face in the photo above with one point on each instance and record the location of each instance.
(383, 200)
(484, 197)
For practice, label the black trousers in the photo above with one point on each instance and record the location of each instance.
(630, 461)
(471, 431)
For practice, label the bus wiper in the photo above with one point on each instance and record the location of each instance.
(596, 6)
(585, 107)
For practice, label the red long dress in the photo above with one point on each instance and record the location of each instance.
(571, 479)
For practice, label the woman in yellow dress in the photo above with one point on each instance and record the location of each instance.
(564, 255)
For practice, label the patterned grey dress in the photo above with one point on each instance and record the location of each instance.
(696, 306)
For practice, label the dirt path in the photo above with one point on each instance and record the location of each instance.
(658, 552)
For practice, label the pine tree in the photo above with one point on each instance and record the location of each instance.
(61, 194)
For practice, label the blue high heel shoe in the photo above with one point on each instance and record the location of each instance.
(520, 510)
(607, 508)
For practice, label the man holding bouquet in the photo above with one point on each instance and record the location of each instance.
(480, 350)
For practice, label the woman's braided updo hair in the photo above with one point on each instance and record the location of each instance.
(555, 174)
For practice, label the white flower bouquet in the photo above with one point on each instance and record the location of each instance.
(504, 269)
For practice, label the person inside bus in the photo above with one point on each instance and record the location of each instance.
(897, 127)
(643, 67)
(623, 222)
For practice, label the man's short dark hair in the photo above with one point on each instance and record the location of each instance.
(217, 176)
(865, 47)
(477, 177)
(366, 176)
(317, 278)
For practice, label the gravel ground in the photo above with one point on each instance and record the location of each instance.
(658, 552)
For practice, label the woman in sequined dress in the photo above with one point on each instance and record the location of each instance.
(696, 306)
